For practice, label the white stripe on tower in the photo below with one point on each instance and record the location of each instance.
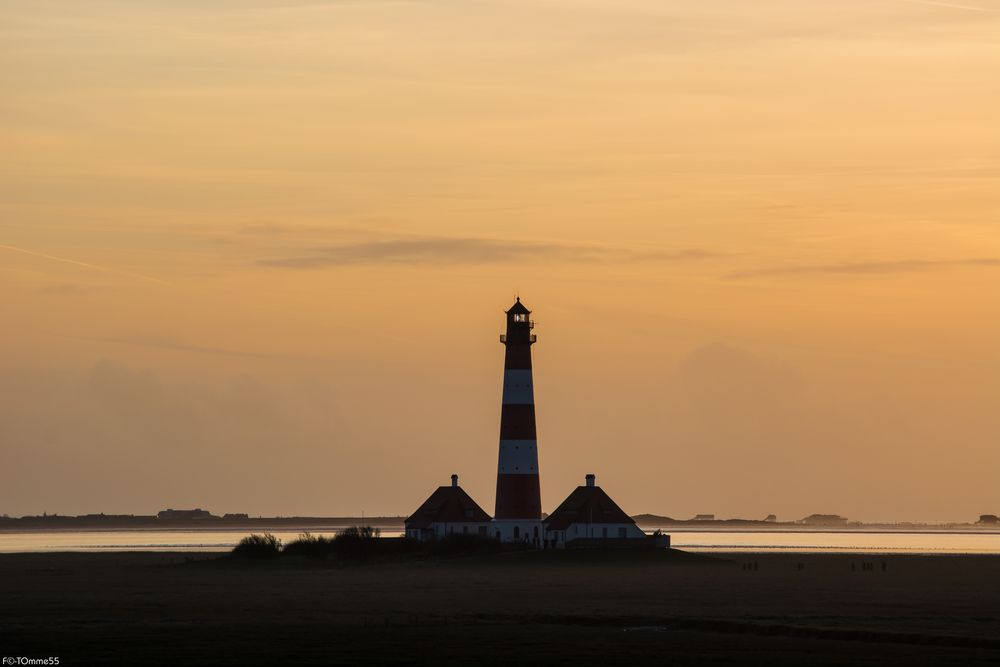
(518, 457)
(517, 386)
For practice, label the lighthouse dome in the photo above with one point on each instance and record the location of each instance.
(518, 307)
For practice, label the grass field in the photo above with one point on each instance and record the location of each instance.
(580, 608)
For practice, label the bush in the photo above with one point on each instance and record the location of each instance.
(357, 542)
(258, 546)
(359, 533)
(310, 546)
(354, 543)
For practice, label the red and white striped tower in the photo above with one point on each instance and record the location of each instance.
(519, 503)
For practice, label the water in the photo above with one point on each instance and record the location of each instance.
(838, 542)
(141, 540)
(701, 540)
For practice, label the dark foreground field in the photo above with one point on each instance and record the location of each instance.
(516, 608)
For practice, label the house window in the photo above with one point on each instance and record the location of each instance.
(621, 532)
(465, 530)
(482, 531)
(517, 532)
(604, 532)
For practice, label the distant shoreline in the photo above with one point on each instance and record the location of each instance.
(326, 524)
(69, 523)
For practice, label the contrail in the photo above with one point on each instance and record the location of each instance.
(64, 260)
(952, 5)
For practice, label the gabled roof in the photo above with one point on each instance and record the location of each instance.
(448, 504)
(587, 504)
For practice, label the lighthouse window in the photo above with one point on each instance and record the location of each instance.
(520, 317)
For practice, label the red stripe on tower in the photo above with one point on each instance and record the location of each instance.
(518, 488)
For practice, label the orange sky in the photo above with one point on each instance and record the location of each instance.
(254, 254)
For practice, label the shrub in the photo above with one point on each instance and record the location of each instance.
(357, 542)
(310, 546)
(359, 533)
(258, 546)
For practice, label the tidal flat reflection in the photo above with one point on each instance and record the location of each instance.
(839, 542)
(701, 541)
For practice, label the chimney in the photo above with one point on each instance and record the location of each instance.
(590, 479)
(454, 480)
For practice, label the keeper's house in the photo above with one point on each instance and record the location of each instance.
(449, 510)
(588, 517)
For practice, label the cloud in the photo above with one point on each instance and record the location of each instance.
(867, 268)
(449, 251)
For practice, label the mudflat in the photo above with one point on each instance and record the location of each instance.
(580, 608)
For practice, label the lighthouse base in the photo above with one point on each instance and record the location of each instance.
(520, 531)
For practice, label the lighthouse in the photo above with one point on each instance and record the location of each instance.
(518, 504)
(587, 518)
